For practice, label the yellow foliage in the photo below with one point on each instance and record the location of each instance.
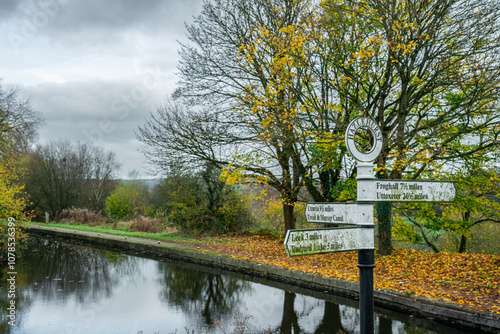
(12, 206)
(12, 196)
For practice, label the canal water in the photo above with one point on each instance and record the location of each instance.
(70, 288)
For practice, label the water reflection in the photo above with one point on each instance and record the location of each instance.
(208, 296)
(86, 273)
(68, 288)
(55, 277)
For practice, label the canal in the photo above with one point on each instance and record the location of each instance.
(65, 287)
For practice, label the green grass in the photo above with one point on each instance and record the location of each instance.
(164, 236)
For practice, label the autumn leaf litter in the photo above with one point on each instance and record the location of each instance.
(469, 280)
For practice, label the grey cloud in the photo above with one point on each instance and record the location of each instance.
(97, 110)
(97, 21)
(59, 40)
(8, 7)
(103, 112)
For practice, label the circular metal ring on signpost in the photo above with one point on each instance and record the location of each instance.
(350, 135)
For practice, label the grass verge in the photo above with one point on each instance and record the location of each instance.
(169, 236)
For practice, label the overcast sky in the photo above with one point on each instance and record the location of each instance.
(94, 69)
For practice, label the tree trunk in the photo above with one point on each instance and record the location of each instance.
(289, 321)
(462, 248)
(385, 325)
(288, 214)
(384, 210)
(463, 244)
(384, 213)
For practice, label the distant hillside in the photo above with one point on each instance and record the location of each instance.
(150, 183)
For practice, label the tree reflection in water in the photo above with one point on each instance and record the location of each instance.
(211, 297)
(89, 274)
(329, 322)
(52, 268)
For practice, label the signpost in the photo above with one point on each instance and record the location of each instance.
(358, 234)
(332, 213)
(327, 240)
(405, 191)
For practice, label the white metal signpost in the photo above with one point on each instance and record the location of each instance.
(358, 234)
(332, 213)
(405, 191)
(327, 240)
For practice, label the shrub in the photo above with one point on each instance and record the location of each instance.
(81, 216)
(147, 224)
(118, 207)
(234, 215)
(188, 206)
(180, 200)
(268, 215)
(127, 200)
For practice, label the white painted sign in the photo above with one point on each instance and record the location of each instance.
(350, 136)
(318, 241)
(405, 191)
(335, 213)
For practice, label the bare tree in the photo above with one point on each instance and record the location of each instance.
(19, 123)
(102, 166)
(180, 140)
(62, 175)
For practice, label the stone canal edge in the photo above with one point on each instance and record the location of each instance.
(450, 314)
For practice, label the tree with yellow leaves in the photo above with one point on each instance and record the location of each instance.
(427, 71)
(12, 207)
(238, 75)
(12, 197)
(13, 202)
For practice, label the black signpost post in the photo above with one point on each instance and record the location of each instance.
(359, 234)
(366, 263)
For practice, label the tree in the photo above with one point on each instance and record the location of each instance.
(284, 79)
(19, 123)
(18, 129)
(426, 71)
(236, 65)
(62, 175)
(101, 171)
(13, 213)
(476, 203)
